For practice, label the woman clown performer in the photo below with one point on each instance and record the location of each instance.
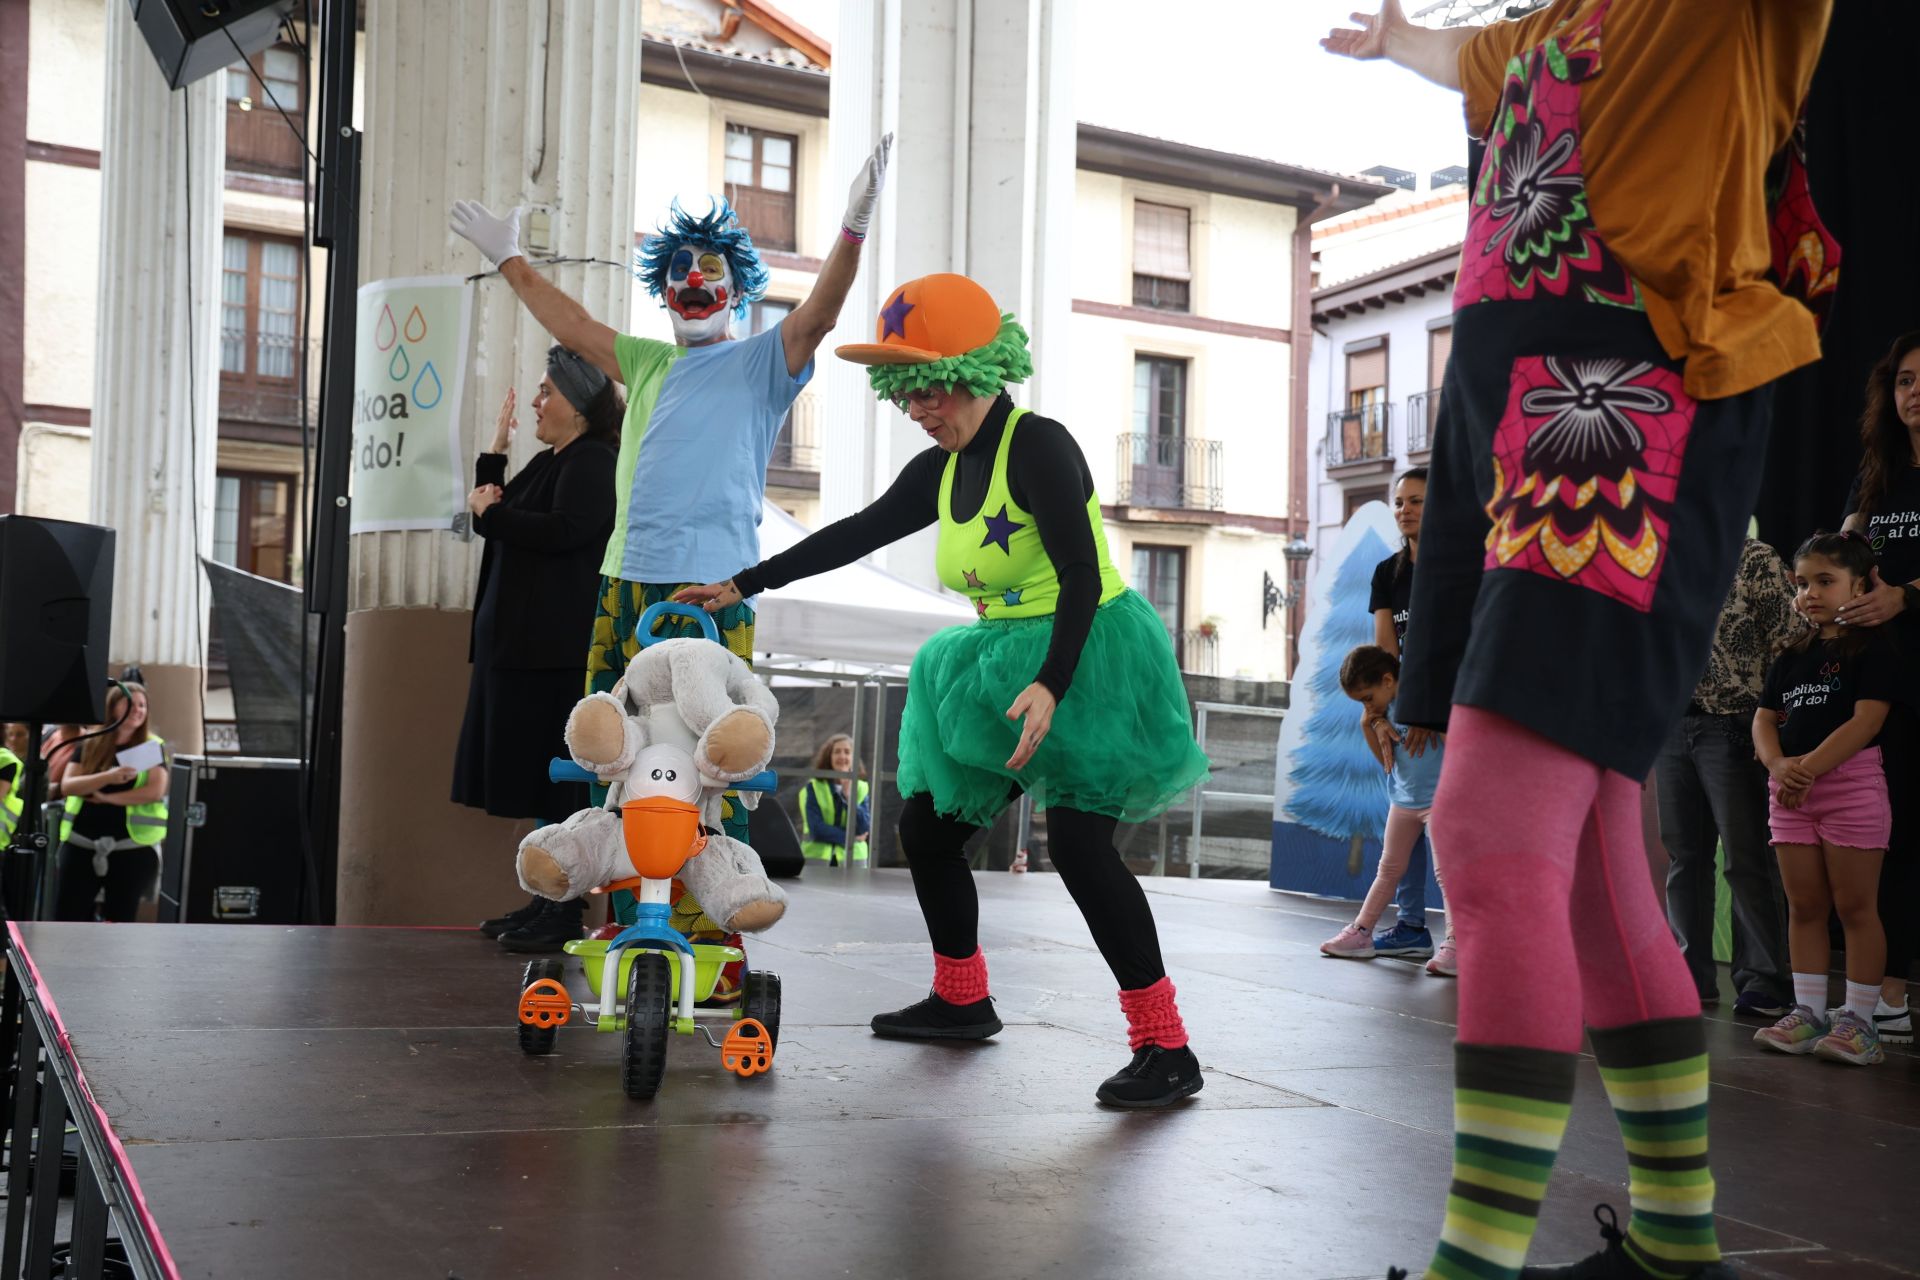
(1603, 427)
(1066, 687)
(703, 411)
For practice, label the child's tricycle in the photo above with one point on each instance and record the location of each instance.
(663, 976)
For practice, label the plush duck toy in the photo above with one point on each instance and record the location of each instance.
(687, 721)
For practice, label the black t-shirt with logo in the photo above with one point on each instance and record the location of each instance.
(1393, 589)
(1812, 691)
(1894, 531)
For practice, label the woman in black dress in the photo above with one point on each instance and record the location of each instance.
(1884, 504)
(545, 530)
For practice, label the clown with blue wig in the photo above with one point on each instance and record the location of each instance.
(703, 411)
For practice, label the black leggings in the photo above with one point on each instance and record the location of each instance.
(1081, 847)
(130, 873)
(1900, 870)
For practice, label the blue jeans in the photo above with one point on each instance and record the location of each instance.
(1410, 900)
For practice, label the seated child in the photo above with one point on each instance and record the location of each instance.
(1370, 675)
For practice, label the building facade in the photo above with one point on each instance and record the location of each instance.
(1383, 329)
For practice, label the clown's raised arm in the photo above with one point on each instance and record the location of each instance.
(814, 318)
(704, 271)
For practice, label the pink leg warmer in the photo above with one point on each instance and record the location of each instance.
(1152, 1017)
(960, 981)
(1548, 875)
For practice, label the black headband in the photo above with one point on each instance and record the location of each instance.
(579, 380)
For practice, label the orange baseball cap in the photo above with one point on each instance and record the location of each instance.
(929, 319)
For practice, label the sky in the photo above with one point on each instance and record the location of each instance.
(1248, 76)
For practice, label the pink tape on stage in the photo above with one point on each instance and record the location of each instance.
(127, 1178)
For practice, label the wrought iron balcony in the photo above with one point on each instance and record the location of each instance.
(1198, 652)
(1169, 471)
(1423, 416)
(1356, 436)
(797, 448)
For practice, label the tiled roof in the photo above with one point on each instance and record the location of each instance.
(774, 57)
(1375, 213)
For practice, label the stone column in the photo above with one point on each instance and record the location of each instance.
(506, 102)
(156, 390)
(979, 97)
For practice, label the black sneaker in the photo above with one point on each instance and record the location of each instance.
(556, 924)
(513, 919)
(1154, 1078)
(1614, 1263)
(1762, 1004)
(937, 1019)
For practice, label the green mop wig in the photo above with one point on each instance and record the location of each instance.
(983, 371)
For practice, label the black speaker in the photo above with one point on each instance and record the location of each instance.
(232, 853)
(190, 38)
(771, 832)
(56, 604)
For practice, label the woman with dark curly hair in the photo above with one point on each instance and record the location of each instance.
(1884, 504)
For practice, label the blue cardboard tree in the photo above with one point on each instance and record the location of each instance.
(1330, 797)
(1337, 786)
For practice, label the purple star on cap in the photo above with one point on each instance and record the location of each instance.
(894, 317)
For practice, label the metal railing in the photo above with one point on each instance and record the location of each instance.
(798, 446)
(1359, 435)
(1176, 472)
(1198, 651)
(1423, 416)
(1203, 793)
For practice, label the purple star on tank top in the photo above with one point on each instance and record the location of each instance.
(894, 317)
(1000, 531)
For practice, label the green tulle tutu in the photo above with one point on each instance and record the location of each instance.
(1121, 742)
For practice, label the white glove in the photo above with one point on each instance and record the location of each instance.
(498, 238)
(866, 190)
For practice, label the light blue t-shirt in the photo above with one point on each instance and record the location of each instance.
(1411, 783)
(700, 427)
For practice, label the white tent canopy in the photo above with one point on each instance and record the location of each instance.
(854, 614)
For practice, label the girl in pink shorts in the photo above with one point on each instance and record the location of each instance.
(1816, 729)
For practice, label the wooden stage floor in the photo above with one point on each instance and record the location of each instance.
(351, 1102)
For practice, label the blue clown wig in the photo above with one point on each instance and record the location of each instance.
(719, 232)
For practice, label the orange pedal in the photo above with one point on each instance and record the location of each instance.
(545, 1004)
(748, 1049)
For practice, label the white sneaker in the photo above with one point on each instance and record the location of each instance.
(1893, 1026)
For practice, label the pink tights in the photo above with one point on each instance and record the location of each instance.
(1547, 883)
(1396, 846)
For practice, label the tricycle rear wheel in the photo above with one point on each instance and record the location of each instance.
(760, 1000)
(535, 1041)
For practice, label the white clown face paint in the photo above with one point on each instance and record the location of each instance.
(699, 294)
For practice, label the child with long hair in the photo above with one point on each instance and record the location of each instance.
(1821, 712)
(1371, 676)
(115, 816)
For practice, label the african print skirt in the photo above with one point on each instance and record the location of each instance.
(1584, 517)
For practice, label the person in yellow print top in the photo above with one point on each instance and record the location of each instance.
(1066, 688)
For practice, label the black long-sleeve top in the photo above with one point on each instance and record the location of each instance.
(540, 571)
(1048, 478)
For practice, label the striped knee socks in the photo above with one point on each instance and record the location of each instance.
(1509, 1111)
(1656, 1079)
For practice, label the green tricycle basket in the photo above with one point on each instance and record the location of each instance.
(709, 958)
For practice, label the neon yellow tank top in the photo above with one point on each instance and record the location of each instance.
(996, 560)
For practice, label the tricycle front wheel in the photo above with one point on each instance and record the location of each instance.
(535, 1041)
(649, 1008)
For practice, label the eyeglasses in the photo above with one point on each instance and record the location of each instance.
(924, 398)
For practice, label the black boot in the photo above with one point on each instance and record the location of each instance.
(1154, 1078)
(557, 923)
(513, 919)
(1613, 1262)
(937, 1019)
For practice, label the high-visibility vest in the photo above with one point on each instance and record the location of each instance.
(146, 823)
(824, 794)
(15, 804)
